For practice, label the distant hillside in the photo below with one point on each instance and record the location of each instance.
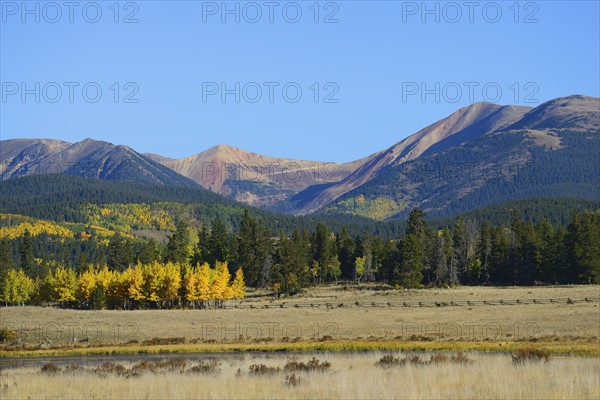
(89, 159)
(557, 159)
(559, 211)
(151, 211)
(65, 198)
(253, 178)
(463, 125)
(479, 155)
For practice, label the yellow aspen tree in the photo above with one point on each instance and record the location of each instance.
(113, 285)
(220, 282)
(25, 287)
(64, 285)
(228, 293)
(203, 283)
(9, 287)
(238, 285)
(171, 282)
(117, 291)
(104, 276)
(135, 289)
(190, 284)
(17, 287)
(152, 281)
(86, 283)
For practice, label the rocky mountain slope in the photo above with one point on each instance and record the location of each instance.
(89, 158)
(468, 159)
(253, 178)
(552, 150)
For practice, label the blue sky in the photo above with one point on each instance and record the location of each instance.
(370, 67)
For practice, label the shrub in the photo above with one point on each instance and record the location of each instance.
(110, 368)
(292, 380)
(389, 360)
(73, 368)
(50, 368)
(262, 369)
(313, 365)
(6, 335)
(210, 366)
(439, 358)
(530, 355)
(461, 359)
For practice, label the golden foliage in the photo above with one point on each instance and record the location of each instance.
(62, 285)
(35, 228)
(155, 282)
(126, 217)
(16, 287)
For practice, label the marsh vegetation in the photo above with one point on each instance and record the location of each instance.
(375, 375)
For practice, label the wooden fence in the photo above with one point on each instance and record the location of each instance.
(416, 304)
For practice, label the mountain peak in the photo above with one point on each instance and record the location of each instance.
(575, 112)
(222, 148)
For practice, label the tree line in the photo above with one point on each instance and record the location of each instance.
(65, 198)
(465, 253)
(154, 285)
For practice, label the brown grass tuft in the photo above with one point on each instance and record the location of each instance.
(530, 355)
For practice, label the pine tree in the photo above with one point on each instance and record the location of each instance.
(442, 256)
(150, 252)
(120, 253)
(412, 251)
(390, 261)
(6, 256)
(459, 261)
(589, 253)
(179, 249)
(321, 250)
(411, 264)
(500, 265)
(81, 263)
(290, 264)
(253, 250)
(202, 251)
(26, 255)
(6, 261)
(346, 255)
(484, 252)
(573, 243)
(416, 224)
(218, 243)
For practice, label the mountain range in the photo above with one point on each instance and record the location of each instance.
(479, 155)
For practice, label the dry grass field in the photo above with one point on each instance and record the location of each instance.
(555, 324)
(354, 375)
(215, 353)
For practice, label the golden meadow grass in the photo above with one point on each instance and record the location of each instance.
(353, 375)
(564, 328)
(351, 339)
